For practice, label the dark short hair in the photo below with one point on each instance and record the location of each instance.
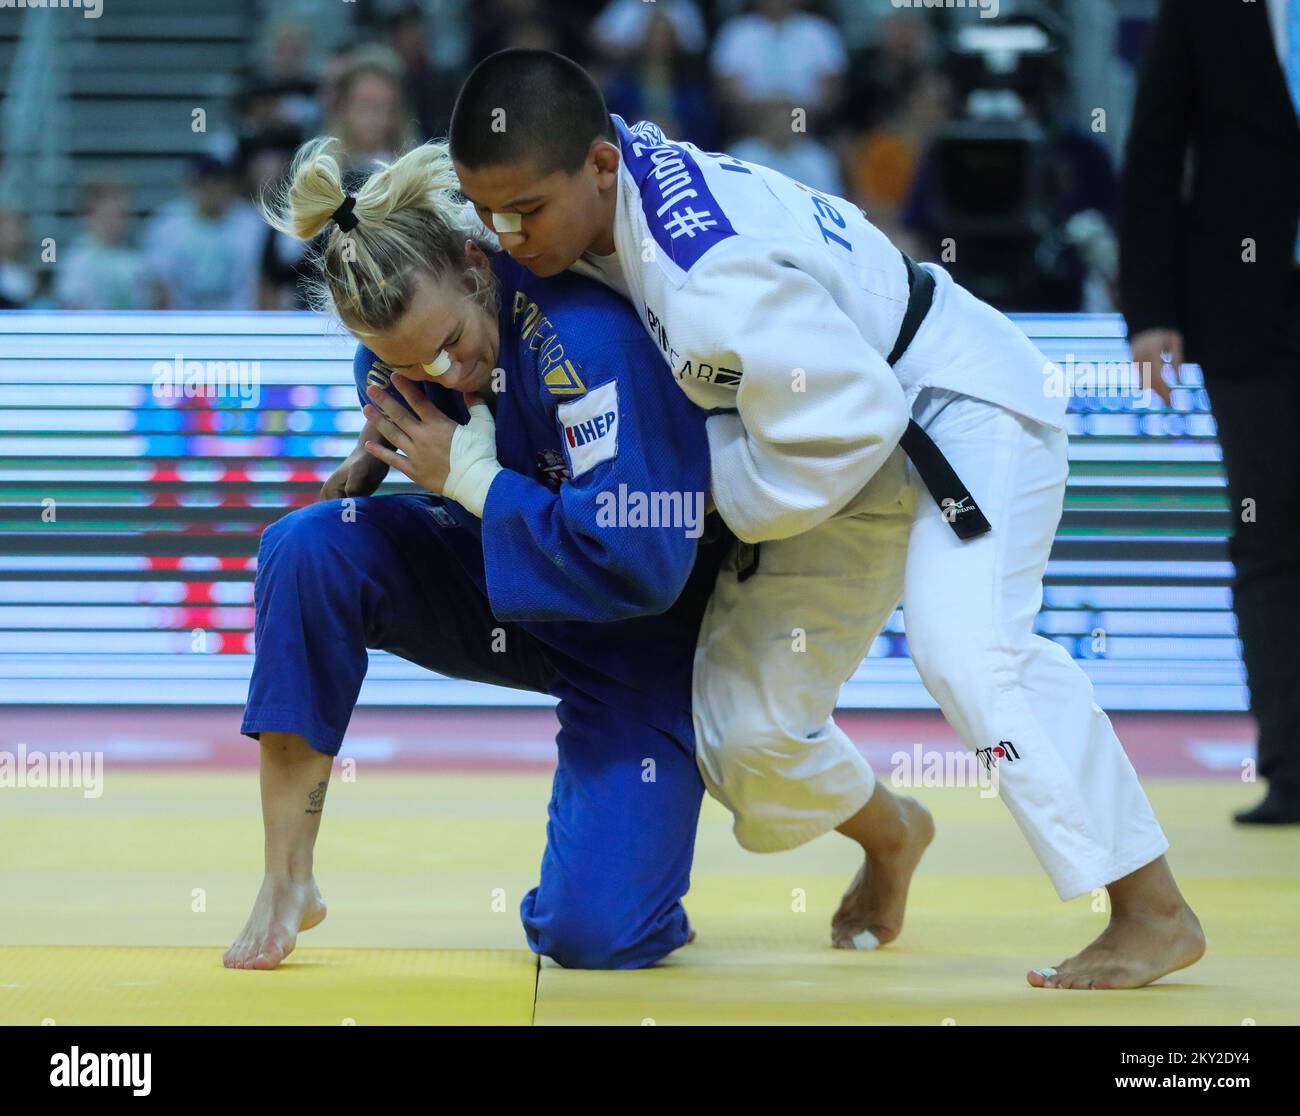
(553, 110)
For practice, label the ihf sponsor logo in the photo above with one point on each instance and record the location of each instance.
(924, 767)
(988, 9)
(238, 380)
(683, 511)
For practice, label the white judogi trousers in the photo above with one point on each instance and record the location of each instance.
(775, 649)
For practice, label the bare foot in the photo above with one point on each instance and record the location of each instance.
(871, 912)
(1132, 951)
(283, 909)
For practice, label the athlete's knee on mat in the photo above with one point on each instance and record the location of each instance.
(577, 932)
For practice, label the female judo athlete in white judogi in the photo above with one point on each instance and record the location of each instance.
(818, 345)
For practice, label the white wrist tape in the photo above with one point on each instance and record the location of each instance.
(474, 462)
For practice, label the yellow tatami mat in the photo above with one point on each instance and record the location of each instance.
(117, 909)
(115, 985)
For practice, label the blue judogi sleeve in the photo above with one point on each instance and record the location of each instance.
(632, 442)
(584, 552)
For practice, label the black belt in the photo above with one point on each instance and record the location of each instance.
(953, 497)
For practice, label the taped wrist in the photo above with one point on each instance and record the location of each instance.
(474, 462)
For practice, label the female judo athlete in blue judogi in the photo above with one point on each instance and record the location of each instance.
(533, 569)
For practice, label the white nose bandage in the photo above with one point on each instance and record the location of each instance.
(507, 222)
(440, 367)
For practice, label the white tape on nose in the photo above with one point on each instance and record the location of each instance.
(440, 367)
(507, 222)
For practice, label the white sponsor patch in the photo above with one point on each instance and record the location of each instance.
(590, 427)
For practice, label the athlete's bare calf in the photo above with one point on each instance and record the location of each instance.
(1152, 932)
(894, 832)
(294, 780)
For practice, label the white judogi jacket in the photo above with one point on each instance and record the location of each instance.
(776, 306)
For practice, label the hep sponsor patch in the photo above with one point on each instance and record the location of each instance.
(590, 426)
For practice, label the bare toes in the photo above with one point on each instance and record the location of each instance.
(1042, 978)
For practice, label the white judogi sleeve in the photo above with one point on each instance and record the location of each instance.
(754, 285)
(817, 409)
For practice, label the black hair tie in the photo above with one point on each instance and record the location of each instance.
(343, 216)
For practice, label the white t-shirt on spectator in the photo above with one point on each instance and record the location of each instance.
(205, 264)
(17, 283)
(805, 161)
(621, 26)
(787, 60)
(97, 276)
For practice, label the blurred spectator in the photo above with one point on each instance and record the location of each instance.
(885, 73)
(327, 92)
(100, 271)
(623, 28)
(260, 110)
(661, 82)
(882, 163)
(430, 91)
(263, 162)
(263, 158)
(204, 249)
(286, 53)
(286, 77)
(370, 115)
(778, 52)
(533, 33)
(257, 107)
(18, 282)
(499, 24)
(794, 153)
(858, 22)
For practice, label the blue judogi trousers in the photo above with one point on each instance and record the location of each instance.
(393, 573)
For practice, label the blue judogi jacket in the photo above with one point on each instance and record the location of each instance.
(589, 533)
